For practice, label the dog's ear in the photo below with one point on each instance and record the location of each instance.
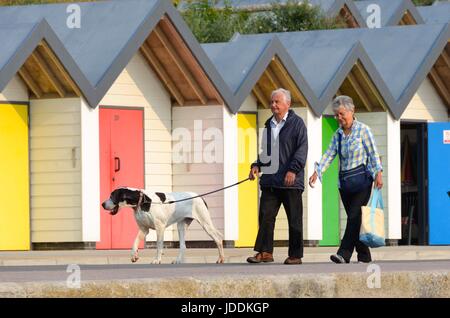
(147, 202)
(161, 196)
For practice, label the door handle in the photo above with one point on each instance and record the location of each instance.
(116, 164)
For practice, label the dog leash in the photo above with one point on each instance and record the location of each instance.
(201, 195)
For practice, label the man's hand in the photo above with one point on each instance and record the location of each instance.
(379, 180)
(313, 179)
(253, 173)
(289, 179)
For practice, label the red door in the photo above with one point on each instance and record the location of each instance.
(121, 164)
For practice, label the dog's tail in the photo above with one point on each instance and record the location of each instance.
(205, 202)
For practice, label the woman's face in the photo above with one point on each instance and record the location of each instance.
(344, 117)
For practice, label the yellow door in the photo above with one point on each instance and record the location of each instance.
(248, 191)
(14, 178)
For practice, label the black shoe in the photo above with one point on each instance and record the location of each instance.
(338, 259)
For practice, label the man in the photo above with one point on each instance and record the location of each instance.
(282, 179)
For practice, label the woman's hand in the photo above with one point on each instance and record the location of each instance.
(313, 179)
(253, 173)
(379, 180)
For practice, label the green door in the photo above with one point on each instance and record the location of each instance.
(330, 192)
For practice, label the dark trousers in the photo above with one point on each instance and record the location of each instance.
(271, 199)
(352, 203)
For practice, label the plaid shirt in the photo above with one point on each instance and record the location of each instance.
(357, 148)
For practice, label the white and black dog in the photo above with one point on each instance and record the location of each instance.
(151, 211)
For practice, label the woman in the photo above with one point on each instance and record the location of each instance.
(360, 164)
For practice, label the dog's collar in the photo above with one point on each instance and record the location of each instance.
(141, 196)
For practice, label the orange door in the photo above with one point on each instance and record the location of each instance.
(121, 164)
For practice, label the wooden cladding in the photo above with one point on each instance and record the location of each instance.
(45, 76)
(276, 76)
(177, 67)
(440, 75)
(360, 87)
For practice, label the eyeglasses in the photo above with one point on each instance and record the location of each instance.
(341, 114)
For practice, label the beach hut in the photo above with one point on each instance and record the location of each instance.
(139, 74)
(329, 69)
(354, 63)
(253, 67)
(40, 161)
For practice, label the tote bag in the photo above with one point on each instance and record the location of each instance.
(372, 222)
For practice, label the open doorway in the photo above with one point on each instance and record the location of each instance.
(414, 183)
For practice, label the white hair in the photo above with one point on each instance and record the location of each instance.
(285, 92)
(345, 101)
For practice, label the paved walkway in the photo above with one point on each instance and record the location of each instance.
(209, 255)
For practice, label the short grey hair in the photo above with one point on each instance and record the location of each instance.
(345, 101)
(285, 92)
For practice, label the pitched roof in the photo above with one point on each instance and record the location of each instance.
(241, 63)
(21, 39)
(391, 11)
(438, 13)
(111, 33)
(397, 59)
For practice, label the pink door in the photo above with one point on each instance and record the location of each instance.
(121, 164)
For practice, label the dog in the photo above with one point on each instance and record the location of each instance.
(152, 210)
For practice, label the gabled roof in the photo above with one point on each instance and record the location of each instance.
(437, 13)
(392, 12)
(20, 41)
(325, 66)
(331, 8)
(242, 63)
(111, 33)
(397, 59)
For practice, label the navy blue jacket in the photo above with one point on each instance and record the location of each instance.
(292, 142)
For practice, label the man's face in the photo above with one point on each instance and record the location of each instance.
(279, 105)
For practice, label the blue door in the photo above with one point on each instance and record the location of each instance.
(439, 183)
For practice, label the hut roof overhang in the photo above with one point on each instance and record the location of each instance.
(35, 53)
(437, 13)
(258, 66)
(330, 61)
(392, 12)
(112, 32)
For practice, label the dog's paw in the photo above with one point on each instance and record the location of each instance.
(134, 257)
(156, 261)
(220, 260)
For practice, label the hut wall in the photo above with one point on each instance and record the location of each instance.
(426, 105)
(198, 160)
(55, 153)
(138, 86)
(15, 91)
